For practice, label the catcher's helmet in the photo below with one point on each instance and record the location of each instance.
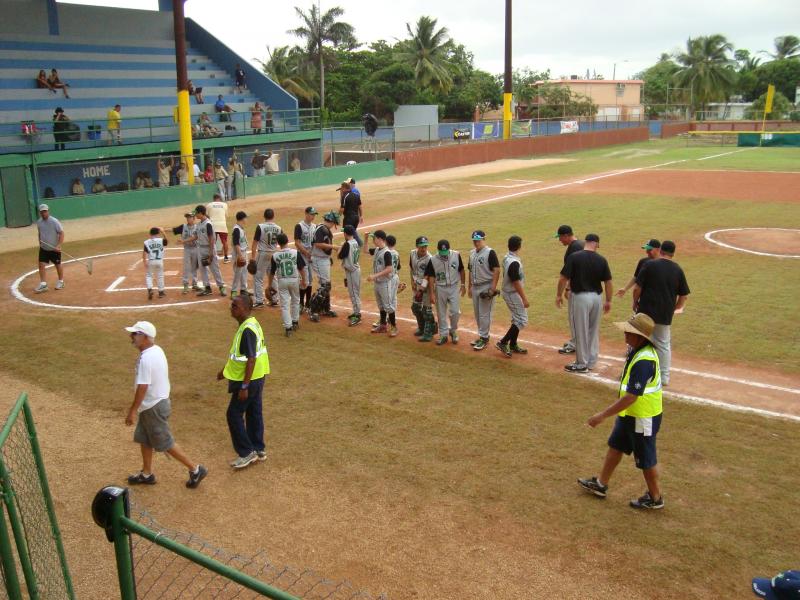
(331, 217)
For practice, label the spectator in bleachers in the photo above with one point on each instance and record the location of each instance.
(206, 128)
(164, 169)
(113, 125)
(197, 172)
(258, 163)
(239, 77)
(294, 164)
(273, 163)
(268, 117)
(99, 187)
(208, 174)
(256, 118)
(60, 128)
(183, 173)
(233, 180)
(55, 82)
(42, 83)
(220, 175)
(148, 181)
(223, 109)
(77, 189)
(138, 182)
(197, 92)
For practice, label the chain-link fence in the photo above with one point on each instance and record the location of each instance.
(155, 562)
(38, 556)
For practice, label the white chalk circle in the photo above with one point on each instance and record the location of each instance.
(710, 237)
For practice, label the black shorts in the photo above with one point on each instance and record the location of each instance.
(49, 256)
(626, 439)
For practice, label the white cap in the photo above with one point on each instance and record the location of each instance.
(145, 327)
(43, 207)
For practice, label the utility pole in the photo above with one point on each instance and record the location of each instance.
(184, 112)
(508, 88)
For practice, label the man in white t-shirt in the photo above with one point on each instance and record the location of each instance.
(218, 214)
(273, 163)
(151, 408)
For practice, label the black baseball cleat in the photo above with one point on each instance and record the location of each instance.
(295, 325)
(329, 313)
(196, 476)
(504, 348)
(566, 350)
(593, 486)
(313, 317)
(518, 349)
(162, 294)
(288, 331)
(575, 368)
(418, 333)
(646, 502)
(205, 292)
(141, 478)
(149, 294)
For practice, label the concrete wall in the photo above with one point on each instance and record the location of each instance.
(445, 157)
(672, 129)
(24, 16)
(105, 23)
(744, 126)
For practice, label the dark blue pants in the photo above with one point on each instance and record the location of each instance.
(245, 419)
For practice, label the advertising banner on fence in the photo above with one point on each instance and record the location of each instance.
(485, 130)
(569, 127)
(462, 134)
(521, 128)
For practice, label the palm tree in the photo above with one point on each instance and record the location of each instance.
(290, 69)
(786, 46)
(317, 31)
(706, 69)
(427, 53)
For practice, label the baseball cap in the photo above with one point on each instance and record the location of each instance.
(592, 237)
(563, 230)
(668, 247)
(478, 235)
(310, 210)
(346, 182)
(349, 230)
(651, 245)
(188, 214)
(443, 247)
(43, 207)
(784, 586)
(145, 327)
(421, 241)
(380, 234)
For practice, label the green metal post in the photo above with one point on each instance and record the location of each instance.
(48, 500)
(122, 550)
(9, 566)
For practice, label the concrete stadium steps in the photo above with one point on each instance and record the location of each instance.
(142, 43)
(112, 79)
(47, 57)
(78, 92)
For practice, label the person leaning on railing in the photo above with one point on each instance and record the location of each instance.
(60, 128)
(77, 189)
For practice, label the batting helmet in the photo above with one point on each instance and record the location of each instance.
(331, 217)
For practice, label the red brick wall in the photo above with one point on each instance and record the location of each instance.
(408, 162)
(672, 129)
(744, 126)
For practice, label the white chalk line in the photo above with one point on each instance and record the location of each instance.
(724, 154)
(710, 237)
(689, 399)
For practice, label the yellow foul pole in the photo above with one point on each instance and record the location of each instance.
(507, 80)
(184, 112)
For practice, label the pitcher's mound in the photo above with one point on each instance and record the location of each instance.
(766, 241)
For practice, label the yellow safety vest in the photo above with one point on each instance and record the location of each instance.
(234, 368)
(649, 403)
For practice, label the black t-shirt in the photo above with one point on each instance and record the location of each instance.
(236, 240)
(640, 264)
(513, 271)
(573, 247)
(661, 281)
(350, 203)
(344, 251)
(298, 232)
(323, 236)
(586, 271)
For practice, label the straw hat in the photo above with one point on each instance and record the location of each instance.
(640, 324)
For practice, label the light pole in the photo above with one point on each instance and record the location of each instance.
(507, 79)
(614, 72)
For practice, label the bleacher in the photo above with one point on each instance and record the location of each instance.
(139, 75)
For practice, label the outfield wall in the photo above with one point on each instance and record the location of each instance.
(445, 157)
(669, 130)
(744, 126)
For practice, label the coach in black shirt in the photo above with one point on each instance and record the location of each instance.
(661, 290)
(589, 277)
(350, 208)
(567, 238)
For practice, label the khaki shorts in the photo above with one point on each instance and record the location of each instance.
(152, 427)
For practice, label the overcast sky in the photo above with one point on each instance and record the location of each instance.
(567, 37)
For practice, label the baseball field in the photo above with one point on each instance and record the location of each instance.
(439, 472)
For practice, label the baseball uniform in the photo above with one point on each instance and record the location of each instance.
(418, 264)
(154, 248)
(573, 247)
(205, 241)
(304, 235)
(382, 258)
(239, 273)
(349, 254)
(285, 266)
(191, 258)
(321, 259)
(446, 272)
(266, 241)
(394, 282)
(512, 271)
(481, 271)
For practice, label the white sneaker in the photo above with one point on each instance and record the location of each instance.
(42, 287)
(60, 284)
(243, 461)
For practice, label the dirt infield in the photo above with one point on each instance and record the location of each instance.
(732, 185)
(778, 242)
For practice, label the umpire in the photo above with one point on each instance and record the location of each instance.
(588, 276)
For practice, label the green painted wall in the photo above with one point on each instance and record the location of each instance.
(77, 207)
(2, 209)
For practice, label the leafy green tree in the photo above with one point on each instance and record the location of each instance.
(481, 89)
(786, 46)
(656, 91)
(784, 74)
(387, 89)
(781, 107)
(522, 83)
(706, 69)
(554, 101)
(319, 31)
(427, 52)
(289, 68)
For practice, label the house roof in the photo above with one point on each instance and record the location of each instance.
(591, 81)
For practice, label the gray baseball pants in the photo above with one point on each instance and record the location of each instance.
(214, 266)
(322, 268)
(519, 314)
(289, 295)
(662, 344)
(394, 282)
(586, 314)
(448, 303)
(383, 295)
(483, 309)
(155, 269)
(353, 279)
(191, 262)
(239, 278)
(262, 265)
(570, 312)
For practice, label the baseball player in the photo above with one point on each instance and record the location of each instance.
(153, 259)
(421, 306)
(191, 258)
(652, 249)
(395, 285)
(321, 265)
(218, 213)
(265, 242)
(304, 242)
(349, 254)
(287, 266)
(444, 271)
(567, 238)
(515, 298)
(382, 273)
(207, 252)
(239, 242)
(484, 275)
